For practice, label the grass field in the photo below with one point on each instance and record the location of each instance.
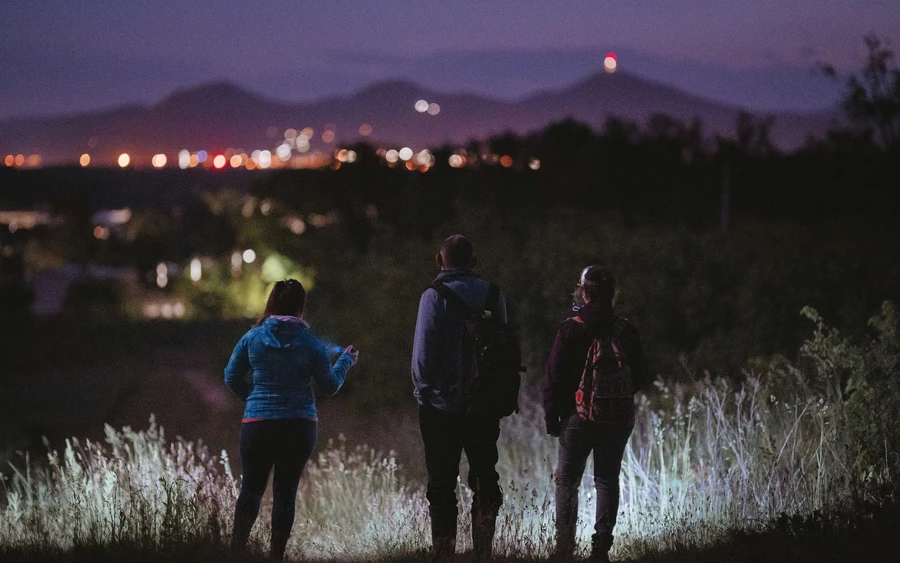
(714, 471)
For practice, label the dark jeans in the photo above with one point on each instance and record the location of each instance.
(446, 436)
(287, 445)
(577, 439)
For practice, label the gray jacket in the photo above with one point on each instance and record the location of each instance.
(438, 331)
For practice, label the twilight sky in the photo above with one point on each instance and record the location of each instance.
(59, 56)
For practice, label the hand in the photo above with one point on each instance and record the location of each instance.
(553, 427)
(354, 354)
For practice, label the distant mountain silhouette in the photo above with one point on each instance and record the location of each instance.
(221, 115)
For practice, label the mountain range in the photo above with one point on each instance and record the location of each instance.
(220, 115)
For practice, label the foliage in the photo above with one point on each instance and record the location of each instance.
(706, 461)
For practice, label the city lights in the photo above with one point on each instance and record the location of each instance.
(610, 62)
(84, 159)
(456, 161)
(405, 153)
(20, 159)
(184, 158)
(202, 156)
(159, 160)
(9, 160)
(265, 159)
(219, 161)
(196, 270)
(284, 152)
(124, 159)
(237, 160)
(392, 155)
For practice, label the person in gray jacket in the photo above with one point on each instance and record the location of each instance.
(447, 427)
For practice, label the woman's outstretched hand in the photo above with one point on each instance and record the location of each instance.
(354, 353)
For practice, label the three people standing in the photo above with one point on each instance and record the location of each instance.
(595, 367)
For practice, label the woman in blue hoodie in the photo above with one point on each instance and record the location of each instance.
(273, 368)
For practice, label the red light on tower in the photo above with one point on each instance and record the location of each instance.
(610, 62)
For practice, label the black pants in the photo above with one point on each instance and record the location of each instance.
(286, 445)
(577, 440)
(446, 436)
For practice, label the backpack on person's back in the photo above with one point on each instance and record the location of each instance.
(488, 359)
(606, 389)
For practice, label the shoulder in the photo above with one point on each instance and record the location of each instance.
(572, 325)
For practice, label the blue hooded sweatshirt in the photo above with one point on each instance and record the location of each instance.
(274, 365)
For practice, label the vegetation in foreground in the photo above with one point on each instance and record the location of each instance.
(795, 461)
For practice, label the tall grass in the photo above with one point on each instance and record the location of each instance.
(704, 460)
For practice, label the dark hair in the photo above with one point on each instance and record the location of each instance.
(598, 283)
(457, 252)
(287, 298)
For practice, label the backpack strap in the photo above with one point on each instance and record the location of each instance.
(448, 294)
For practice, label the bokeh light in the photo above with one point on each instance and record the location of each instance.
(249, 256)
(421, 106)
(219, 161)
(9, 160)
(506, 161)
(433, 109)
(610, 62)
(202, 156)
(392, 156)
(405, 153)
(284, 152)
(159, 160)
(534, 164)
(124, 159)
(328, 136)
(236, 161)
(265, 159)
(456, 161)
(365, 129)
(84, 159)
(184, 158)
(20, 159)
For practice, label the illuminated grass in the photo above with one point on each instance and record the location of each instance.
(705, 461)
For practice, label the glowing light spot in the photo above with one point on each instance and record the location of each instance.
(534, 164)
(610, 62)
(297, 226)
(9, 160)
(290, 133)
(365, 129)
(101, 232)
(284, 152)
(456, 161)
(196, 270)
(236, 161)
(265, 159)
(341, 155)
(351, 156)
(124, 160)
(184, 158)
(236, 261)
(410, 165)
(425, 158)
(433, 109)
(219, 161)
(421, 106)
(328, 136)
(20, 159)
(249, 256)
(194, 161)
(178, 309)
(167, 310)
(405, 153)
(265, 207)
(162, 275)
(506, 161)
(34, 160)
(392, 156)
(202, 156)
(159, 160)
(85, 159)
(308, 132)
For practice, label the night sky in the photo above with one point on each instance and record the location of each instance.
(60, 56)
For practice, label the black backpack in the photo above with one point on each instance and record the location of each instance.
(489, 359)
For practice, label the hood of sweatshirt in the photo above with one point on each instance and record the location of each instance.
(598, 317)
(283, 332)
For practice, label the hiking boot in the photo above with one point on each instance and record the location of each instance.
(600, 546)
(483, 528)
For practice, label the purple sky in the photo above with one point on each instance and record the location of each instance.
(58, 56)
